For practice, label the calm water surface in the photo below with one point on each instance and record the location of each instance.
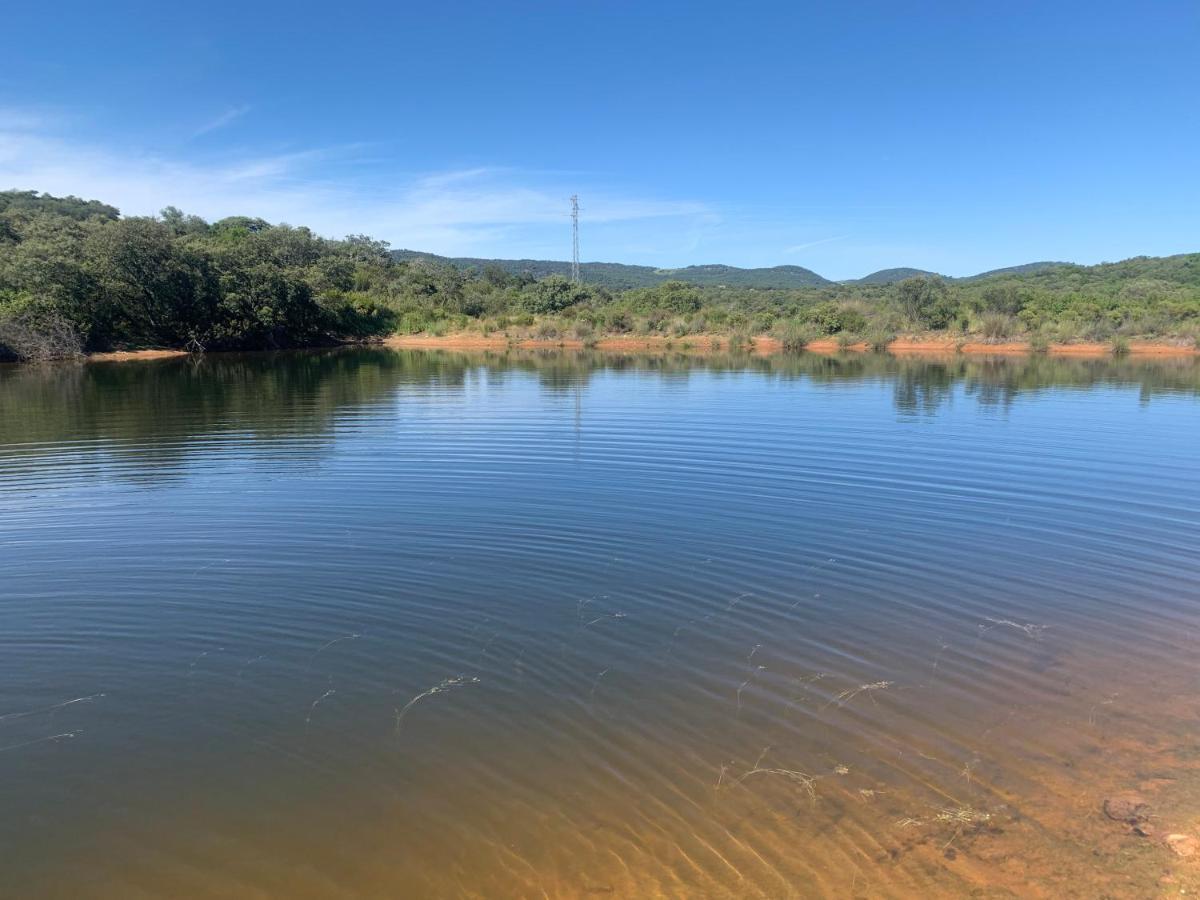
(382, 624)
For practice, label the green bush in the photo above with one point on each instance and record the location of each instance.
(550, 295)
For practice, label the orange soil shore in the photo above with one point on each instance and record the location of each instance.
(765, 345)
(128, 355)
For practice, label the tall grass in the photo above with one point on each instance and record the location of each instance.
(880, 338)
(997, 326)
(794, 335)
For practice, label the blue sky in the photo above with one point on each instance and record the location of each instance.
(844, 137)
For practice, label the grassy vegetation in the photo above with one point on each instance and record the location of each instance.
(76, 276)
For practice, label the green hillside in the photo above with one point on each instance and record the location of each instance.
(618, 276)
(622, 277)
(887, 276)
(1026, 269)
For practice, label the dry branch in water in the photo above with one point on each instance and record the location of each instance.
(312, 709)
(616, 615)
(328, 644)
(248, 663)
(31, 335)
(1030, 630)
(439, 688)
(803, 779)
(52, 738)
(846, 696)
(745, 684)
(596, 681)
(958, 816)
(34, 712)
(200, 657)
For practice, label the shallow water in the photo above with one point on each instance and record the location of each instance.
(369, 623)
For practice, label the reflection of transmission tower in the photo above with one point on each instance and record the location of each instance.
(575, 238)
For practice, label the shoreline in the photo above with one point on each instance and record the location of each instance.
(765, 345)
(707, 344)
(132, 355)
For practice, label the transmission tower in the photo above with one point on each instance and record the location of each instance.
(575, 238)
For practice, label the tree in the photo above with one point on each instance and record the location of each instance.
(35, 203)
(179, 223)
(552, 294)
(366, 249)
(151, 290)
(926, 301)
(1002, 298)
(677, 297)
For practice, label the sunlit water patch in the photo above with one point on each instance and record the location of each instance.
(367, 623)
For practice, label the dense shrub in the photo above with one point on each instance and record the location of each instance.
(551, 295)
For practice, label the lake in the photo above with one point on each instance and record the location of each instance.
(370, 623)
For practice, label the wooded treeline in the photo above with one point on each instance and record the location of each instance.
(77, 276)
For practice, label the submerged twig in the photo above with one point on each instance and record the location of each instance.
(738, 599)
(958, 816)
(803, 779)
(248, 663)
(312, 709)
(328, 644)
(596, 681)
(745, 684)
(196, 661)
(439, 688)
(616, 615)
(43, 740)
(846, 696)
(34, 712)
(1030, 630)
(581, 605)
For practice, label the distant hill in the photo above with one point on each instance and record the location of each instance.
(1027, 269)
(1180, 269)
(887, 276)
(620, 276)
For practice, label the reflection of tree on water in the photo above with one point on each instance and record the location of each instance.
(922, 389)
(289, 402)
(159, 411)
(920, 384)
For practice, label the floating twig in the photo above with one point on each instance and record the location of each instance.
(616, 615)
(439, 688)
(1030, 630)
(328, 644)
(34, 712)
(53, 737)
(312, 709)
(846, 696)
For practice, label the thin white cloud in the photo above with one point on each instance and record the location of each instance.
(25, 120)
(797, 248)
(225, 118)
(459, 212)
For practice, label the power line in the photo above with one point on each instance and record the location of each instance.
(575, 238)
